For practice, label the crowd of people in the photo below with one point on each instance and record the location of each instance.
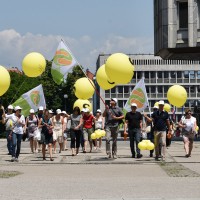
(45, 130)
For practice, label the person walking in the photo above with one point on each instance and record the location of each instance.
(32, 127)
(188, 126)
(58, 131)
(46, 124)
(75, 130)
(17, 133)
(113, 115)
(160, 119)
(65, 116)
(9, 126)
(134, 121)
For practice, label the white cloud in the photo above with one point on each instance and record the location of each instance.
(14, 46)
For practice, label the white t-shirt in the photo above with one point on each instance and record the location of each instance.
(18, 128)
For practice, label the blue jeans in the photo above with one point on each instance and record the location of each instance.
(16, 142)
(9, 142)
(134, 136)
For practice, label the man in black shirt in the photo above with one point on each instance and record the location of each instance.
(160, 119)
(134, 121)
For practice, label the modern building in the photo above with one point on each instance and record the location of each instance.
(177, 29)
(159, 75)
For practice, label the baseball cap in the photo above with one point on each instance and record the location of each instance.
(58, 111)
(115, 100)
(161, 102)
(99, 111)
(32, 111)
(86, 110)
(17, 108)
(50, 112)
(134, 105)
(155, 107)
(41, 108)
(10, 107)
(63, 112)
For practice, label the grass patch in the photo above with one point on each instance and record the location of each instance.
(8, 174)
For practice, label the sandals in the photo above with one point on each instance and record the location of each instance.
(51, 159)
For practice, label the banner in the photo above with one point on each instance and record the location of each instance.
(63, 61)
(138, 96)
(31, 99)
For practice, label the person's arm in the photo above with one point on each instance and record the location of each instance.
(125, 126)
(21, 121)
(40, 125)
(141, 124)
(150, 120)
(63, 125)
(105, 111)
(103, 123)
(80, 124)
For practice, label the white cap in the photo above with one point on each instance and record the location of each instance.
(63, 112)
(58, 111)
(17, 108)
(134, 105)
(83, 110)
(99, 110)
(32, 111)
(10, 107)
(161, 102)
(41, 108)
(155, 107)
(115, 100)
(50, 112)
(86, 110)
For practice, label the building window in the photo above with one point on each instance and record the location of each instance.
(186, 74)
(146, 75)
(120, 89)
(153, 89)
(192, 76)
(126, 89)
(159, 74)
(160, 89)
(113, 90)
(173, 74)
(179, 74)
(107, 91)
(120, 103)
(183, 14)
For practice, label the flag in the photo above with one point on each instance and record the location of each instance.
(138, 96)
(89, 74)
(32, 99)
(63, 61)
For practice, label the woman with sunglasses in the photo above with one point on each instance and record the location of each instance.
(188, 125)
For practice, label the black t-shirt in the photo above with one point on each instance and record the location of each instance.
(160, 119)
(133, 119)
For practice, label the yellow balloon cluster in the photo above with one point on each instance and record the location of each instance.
(83, 88)
(33, 64)
(4, 80)
(197, 128)
(103, 80)
(98, 134)
(177, 95)
(146, 145)
(119, 68)
(82, 103)
(167, 107)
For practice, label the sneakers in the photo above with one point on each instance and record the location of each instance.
(109, 155)
(114, 156)
(16, 160)
(139, 155)
(157, 158)
(12, 159)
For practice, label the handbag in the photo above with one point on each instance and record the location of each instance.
(50, 130)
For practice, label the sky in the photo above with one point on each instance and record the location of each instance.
(88, 27)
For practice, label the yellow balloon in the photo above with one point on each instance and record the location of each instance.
(156, 104)
(83, 103)
(33, 64)
(103, 80)
(142, 145)
(83, 88)
(150, 146)
(119, 68)
(93, 136)
(177, 95)
(167, 107)
(197, 128)
(98, 133)
(103, 133)
(4, 80)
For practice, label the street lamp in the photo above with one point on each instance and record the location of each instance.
(65, 97)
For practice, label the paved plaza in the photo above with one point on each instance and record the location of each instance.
(94, 176)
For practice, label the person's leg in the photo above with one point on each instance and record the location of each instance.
(78, 137)
(31, 144)
(73, 138)
(190, 147)
(9, 142)
(43, 151)
(100, 142)
(85, 137)
(90, 131)
(35, 145)
(19, 140)
(156, 142)
(114, 134)
(50, 152)
(14, 143)
(163, 142)
(131, 138)
(137, 140)
(108, 139)
(186, 145)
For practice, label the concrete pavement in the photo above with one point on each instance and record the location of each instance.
(93, 176)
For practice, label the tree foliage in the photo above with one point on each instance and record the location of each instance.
(54, 94)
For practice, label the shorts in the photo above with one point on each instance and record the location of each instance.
(87, 134)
